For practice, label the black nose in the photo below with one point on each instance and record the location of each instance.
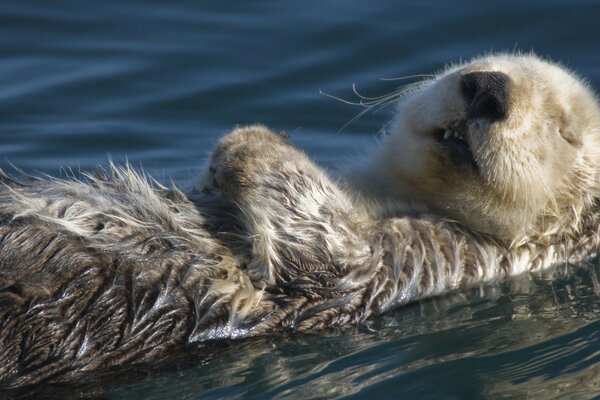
(487, 94)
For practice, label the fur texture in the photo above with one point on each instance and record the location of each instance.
(116, 269)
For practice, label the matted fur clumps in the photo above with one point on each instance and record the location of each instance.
(116, 269)
(106, 270)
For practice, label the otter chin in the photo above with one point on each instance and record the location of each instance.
(509, 145)
(490, 169)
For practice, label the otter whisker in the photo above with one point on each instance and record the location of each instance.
(419, 76)
(376, 103)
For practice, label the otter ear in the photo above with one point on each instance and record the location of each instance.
(570, 130)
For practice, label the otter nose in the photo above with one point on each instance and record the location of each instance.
(487, 94)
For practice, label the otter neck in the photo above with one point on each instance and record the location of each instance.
(373, 188)
(381, 195)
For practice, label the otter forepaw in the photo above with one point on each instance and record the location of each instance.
(237, 156)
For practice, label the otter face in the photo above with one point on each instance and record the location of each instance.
(505, 144)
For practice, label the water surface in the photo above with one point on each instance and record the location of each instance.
(157, 83)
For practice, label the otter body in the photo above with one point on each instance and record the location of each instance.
(491, 169)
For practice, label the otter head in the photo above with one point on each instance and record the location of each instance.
(509, 145)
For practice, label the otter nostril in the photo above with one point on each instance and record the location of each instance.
(469, 89)
(487, 94)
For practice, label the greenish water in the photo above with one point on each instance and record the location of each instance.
(158, 83)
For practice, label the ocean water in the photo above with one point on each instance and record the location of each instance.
(157, 83)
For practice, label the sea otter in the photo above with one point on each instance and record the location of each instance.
(491, 168)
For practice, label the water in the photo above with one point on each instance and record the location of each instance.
(158, 83)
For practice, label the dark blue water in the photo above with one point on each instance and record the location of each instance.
(158, 83)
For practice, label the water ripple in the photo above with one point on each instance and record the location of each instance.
(158, 83)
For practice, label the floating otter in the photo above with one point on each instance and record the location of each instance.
(491, 169)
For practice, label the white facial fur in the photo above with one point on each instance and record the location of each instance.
(533, 168)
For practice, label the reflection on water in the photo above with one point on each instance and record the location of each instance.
(531, 337)
(535, 336)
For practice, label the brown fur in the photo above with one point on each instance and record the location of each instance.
(116, 269)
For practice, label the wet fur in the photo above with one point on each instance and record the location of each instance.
(116, 269)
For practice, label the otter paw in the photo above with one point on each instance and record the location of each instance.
(234, 156)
